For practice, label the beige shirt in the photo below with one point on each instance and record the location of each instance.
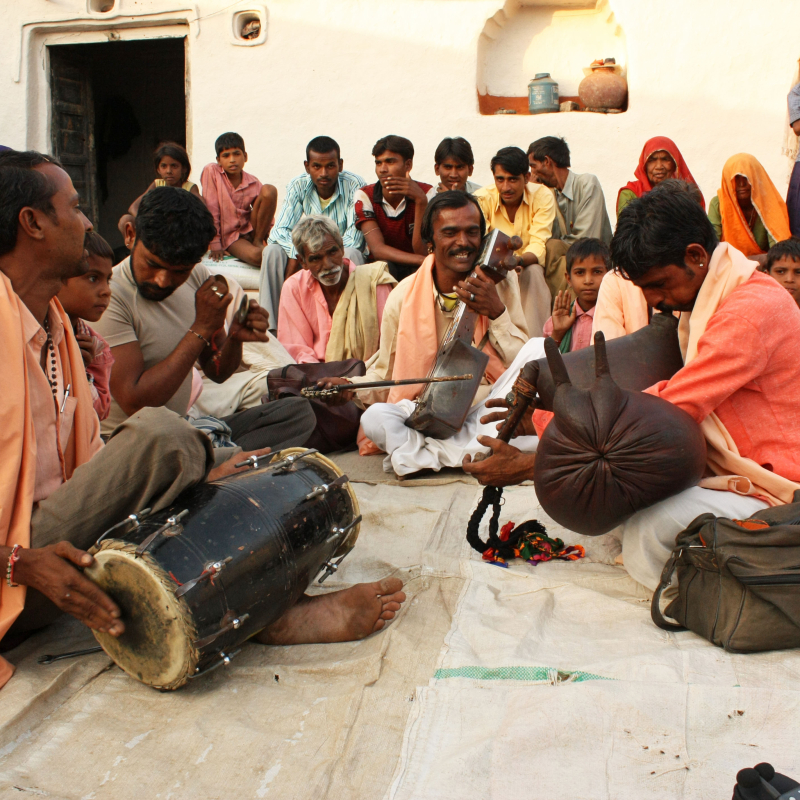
(158, 327)
(52, 427)
(507, 334)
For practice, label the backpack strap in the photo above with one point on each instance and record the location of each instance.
(655, 606)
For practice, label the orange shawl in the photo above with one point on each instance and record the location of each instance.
(18, 443)
(766, 200)
(732, 472)
(417, 343)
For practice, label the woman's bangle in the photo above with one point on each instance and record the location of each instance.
(200, 337)
(12, 562)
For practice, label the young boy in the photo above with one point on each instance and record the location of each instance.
(453, 165)
(783, 264)
(243, 208)
(588, 261)
(86, 298)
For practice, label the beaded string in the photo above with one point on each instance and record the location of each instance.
(52, 376)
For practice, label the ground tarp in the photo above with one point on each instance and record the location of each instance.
(537, 682)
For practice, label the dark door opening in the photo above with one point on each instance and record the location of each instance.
(112, 104)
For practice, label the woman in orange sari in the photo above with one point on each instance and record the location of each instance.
(660, 159)
(748, 212)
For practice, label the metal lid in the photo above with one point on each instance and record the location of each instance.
(541, 75)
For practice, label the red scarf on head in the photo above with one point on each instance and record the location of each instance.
(642, 183)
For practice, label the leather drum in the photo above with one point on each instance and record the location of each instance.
(224, 561)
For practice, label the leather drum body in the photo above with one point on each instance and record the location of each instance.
(637, 361)
(608, 452)
(243, 554)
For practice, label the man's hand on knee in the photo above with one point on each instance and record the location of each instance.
(506, 466)
(52, 570)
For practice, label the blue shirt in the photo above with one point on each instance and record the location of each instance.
(303, 200)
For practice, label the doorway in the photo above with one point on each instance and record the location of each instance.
(112, 104)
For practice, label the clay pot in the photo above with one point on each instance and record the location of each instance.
(603, 88)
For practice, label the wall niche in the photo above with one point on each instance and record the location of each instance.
(527, 37)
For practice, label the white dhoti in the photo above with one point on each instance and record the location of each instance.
(410, 451)
(649, 535)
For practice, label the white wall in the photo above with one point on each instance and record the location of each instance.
(713, 75)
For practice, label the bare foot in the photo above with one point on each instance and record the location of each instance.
(343, 616)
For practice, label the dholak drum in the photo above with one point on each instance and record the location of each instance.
(224, 561)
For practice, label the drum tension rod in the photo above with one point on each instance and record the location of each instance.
(224, 659)
(318, 491)
(332, 566)
(134, 518)
(284, 462)
(211, 570)
(233, 625)
(170, 523)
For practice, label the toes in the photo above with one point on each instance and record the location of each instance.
(387, 615)
(391, 607)
(378, 625)
(389, 586)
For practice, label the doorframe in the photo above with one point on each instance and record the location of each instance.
(44, 35)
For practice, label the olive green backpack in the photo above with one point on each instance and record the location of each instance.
(738, 580)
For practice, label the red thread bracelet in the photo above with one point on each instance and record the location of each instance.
(12, 561)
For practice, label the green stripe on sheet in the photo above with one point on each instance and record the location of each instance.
(538, 674)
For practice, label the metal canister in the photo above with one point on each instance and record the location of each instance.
(543, 94)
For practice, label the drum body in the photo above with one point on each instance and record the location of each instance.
(224, 561)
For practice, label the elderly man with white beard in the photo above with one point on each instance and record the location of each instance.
(331, 309)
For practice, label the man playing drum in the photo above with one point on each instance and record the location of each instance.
(60, 487)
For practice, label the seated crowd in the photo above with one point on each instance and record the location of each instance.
(133, 354)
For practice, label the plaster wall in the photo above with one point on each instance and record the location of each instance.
(713, 75)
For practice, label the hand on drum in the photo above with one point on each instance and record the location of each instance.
(506, 466)
(53, 571)
(338, 399)
(229, 467)
(525, 426)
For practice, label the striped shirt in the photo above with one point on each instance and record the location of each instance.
(302, 199)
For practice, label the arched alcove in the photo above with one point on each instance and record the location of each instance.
(527, 37)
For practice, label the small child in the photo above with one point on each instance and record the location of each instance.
(242, 208)
(588, 260)
(86, 298)
(783, 264)
(173, 168)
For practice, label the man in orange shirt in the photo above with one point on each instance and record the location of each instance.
(739, 382)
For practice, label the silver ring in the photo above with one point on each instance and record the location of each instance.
(219, 294)
(214, 288)
(472, 298)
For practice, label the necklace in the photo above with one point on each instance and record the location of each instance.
(751, 218)
(52, 375)
(446, 302)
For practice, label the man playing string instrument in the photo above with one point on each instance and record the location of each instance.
(416, 318)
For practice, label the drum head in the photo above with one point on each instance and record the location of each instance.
(349, 543)
(156, 647)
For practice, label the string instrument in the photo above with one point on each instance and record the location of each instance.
(329, 391)
(441, 408)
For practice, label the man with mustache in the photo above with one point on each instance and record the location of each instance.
(419, 312)
(332, 308)
(520, 208)
(167, 313)
(326, 189)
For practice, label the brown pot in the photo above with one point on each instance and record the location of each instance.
(603, 88)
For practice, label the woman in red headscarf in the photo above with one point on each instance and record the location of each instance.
(660, 159)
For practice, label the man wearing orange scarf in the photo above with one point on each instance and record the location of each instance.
(416, 317)
(52, 502)
(739, 382)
